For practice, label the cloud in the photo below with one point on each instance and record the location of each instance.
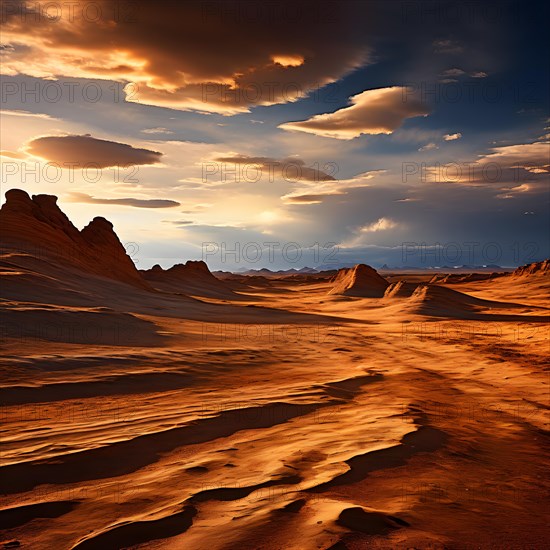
(85, 150)
(179, 222)
(13, 155)
(291, 169)
(525, 165)
(137, 203)
(19, 112)
(363, 234)
(308, 199)
(447, 46)
(288, 60)
(382, 224)
(159, 130)
(452, 137)
(197, 208)
(429, 147)
(315, 194)
(452, 72)
(532, 157)
(379, 111)
(415, 135)
(270, 55)
(511, 192)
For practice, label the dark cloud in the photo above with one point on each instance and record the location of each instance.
(85, 150)
(448, 46)
(173, 55)
(137, 203)
(452, 72)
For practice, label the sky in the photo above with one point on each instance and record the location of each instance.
(286, 134)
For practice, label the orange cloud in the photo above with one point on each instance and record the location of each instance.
(533, 157)
(288, 60)
(379, 111)
(13, 155)
(518, 164)
(173, 58)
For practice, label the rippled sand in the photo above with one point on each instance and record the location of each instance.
(307, 421)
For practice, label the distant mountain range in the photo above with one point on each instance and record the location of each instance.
(265, 272)
(268, 272)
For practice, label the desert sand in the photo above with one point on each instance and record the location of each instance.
(171, 409)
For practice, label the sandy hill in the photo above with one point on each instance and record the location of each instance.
(440, 301)
(192, 278)
(36, 229)
(527, 284)
(322, 276)
(538, 269)
(361, 280)
(280, 274)
(451, 278)
(63, 285)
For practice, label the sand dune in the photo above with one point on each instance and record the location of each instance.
(454, 278)
(436, 300)
(192, 278)
(361, 280)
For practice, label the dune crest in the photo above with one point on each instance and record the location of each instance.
(451, 278)
(435, 295)
(400, 289)
(441, 301)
